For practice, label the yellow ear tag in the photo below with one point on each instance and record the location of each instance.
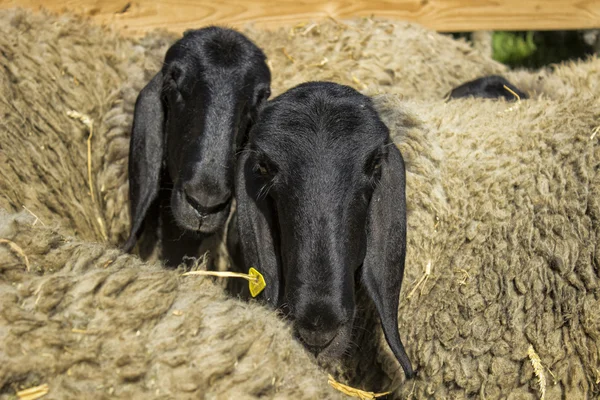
(257, 284)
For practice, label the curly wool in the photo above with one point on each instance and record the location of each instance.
(503, 205)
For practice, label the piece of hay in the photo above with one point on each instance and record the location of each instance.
(308, 29)
(466, 277)
(353, 392)
(421, 281)
(285, 53)
(87, 121)
(295, 28)
(34, 392)
(538, 369)
(321, 63)
(512, 92)
(35, 216)
(256, 282)
(15, 247)
(83, 331)
(222, 274)
(359, 82)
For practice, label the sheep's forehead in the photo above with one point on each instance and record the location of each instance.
(320, 127)
(303, 149)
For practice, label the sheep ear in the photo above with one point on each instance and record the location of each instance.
(145, 155)
(256, 230)
(383, 266)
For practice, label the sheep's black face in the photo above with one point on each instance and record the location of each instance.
(210, 95)
(317, 158)
(321, 207)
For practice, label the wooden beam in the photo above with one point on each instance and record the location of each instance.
(136, 17)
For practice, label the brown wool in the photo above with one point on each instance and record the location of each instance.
(503, 198)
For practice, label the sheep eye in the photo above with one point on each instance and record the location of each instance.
(172, 92)
(176, 75)
(263, 166)
(377, 165)
(262, 169)
(373, 166)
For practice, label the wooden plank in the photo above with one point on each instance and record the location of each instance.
(138, 16)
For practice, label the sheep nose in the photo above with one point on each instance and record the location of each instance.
(206, 201)
(316, 338)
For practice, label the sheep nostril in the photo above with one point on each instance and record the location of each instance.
(205, 203)
(194, 203)
(316, 339)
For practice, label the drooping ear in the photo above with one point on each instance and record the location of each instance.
(257, 232)
(145, 155)
(383, 266)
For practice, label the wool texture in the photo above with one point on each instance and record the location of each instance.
(503, 212)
